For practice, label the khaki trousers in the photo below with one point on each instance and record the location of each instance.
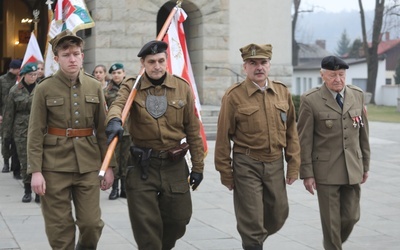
(339, 208)
(84, 191)
(260, 198)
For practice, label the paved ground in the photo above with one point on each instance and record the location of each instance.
(213, 223)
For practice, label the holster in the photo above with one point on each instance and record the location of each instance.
(142, 158)
(178, 152)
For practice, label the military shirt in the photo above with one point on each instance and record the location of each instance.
(16, 113)
(167, 131)
(6, 81)
(60, 103)
(261, 124)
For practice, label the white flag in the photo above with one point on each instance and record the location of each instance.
(32, 53)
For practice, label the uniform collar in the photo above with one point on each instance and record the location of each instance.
(65, 79)
(168, 82)
(252, 88)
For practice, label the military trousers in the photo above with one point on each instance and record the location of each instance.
(339, 207)
(122, 155)
(84, 191)
(260, 198)
(160, 207)
(21, 146)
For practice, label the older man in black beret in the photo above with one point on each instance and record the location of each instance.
(335, 152)
(161, 115)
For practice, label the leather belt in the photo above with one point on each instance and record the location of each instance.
(70, 132)
(159, 154)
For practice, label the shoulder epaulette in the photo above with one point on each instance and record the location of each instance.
(179, 77)
(127, 78)
(355, 88)
(234, 86)
(310, 91)
(279, 82)
(87, 74)
(47, 77)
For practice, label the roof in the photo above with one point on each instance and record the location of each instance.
(308, 51)
(384, 46)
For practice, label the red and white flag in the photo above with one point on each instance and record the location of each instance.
(32, 53)
(179, 61)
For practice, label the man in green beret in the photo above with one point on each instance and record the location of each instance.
(258, 116)
(16, 120)
(121, 152)
(66, 146)
(335, 151)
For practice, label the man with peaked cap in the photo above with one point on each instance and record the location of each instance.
(258, 116)
(8, 148)
(16, 120)
(335, 152)
(161, 115)
(66, 146)
(121, 153)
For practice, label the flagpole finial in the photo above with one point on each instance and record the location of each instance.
(49, 3)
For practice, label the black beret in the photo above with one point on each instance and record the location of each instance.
(15, 64)
(153, 47)
(333, 63)
(115, 66)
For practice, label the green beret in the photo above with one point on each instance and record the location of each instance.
(152, 48)
(333, 63)
(29, 67)
(115, 66)
(66, 34)
(256, 51)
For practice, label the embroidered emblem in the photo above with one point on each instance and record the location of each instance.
(154, 49)
(253, 51)
(156, 105)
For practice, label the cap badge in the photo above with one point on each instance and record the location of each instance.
(114, 67)
(33, 68)
(154, 49)
(336, 67)
(253, 51)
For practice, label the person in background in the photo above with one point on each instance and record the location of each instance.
(258, 116)
(335, 151)
(162, 114)
(66, 146)
(16, 120)
(99, 72)
(40, 71)
(8, 148)
(122, 153)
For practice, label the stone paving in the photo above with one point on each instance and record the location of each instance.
(213, 223)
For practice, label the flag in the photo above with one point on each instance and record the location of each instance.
(32, 53)
(69, 14)
(179, 61)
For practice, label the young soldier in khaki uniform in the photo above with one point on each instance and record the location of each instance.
(66, 145)
(121, 153)
(259, 117)
(335, 152)
(16, 120)
(157, 187)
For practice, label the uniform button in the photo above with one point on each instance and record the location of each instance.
(75, 104)
(75, 95)
(74, 87)
(76, 122)
(76, 112)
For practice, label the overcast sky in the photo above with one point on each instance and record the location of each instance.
(336, 5)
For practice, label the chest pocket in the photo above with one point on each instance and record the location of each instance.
(175, 111)
(329, 120)
(91, 102)
(55, 105)
(249, 119)
(281, 112)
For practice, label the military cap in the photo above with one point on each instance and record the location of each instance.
(256, 51)
(15, 64)
(115, 66)
(333, 63)
(29, 67)
(153, 47)
(66, 34)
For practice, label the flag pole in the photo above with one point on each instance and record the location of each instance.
(132, 95)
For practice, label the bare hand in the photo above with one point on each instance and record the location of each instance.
(108, 180)
(310, 184)
(230, 187)
(38, 183)
(365, 177)
(290, 181)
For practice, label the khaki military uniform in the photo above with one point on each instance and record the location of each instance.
(69, 165)
(261, 124)
(335, 151)
(160, 207)
(16, 120)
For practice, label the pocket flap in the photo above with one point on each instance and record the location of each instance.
(92, 99)
(282, 106)
(50, 140)
(180, 187)
(325, 156)
(178, 104)
(56, 101)
(328, 115)
(249, 110)
(355, 112)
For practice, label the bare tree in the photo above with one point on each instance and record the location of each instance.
(295, 46)
(371, 52)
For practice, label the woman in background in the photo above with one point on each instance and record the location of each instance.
(100, 74)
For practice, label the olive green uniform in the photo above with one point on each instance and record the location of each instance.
(160, 207)
(335, 151)
(69, 165)
(16, 120)
(261, 124)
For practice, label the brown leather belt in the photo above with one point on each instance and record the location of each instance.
(70, 132)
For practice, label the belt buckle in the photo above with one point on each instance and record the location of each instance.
(68, 132)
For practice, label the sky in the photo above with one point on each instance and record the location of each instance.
(336, 5)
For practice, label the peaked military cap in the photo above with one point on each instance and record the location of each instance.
(256, 51)
(66, 34)
(153, 47)
(333, 63)
(29, 67)
(115, 66)
(15, 64)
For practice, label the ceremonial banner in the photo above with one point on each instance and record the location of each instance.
(179, 61)
(32, 53)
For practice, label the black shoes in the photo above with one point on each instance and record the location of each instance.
(6, 168)
(114, 194)
(122, 194)
(37, 198)
(27, 197)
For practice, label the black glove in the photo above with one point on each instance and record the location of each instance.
(195, 179)
(114, 128)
